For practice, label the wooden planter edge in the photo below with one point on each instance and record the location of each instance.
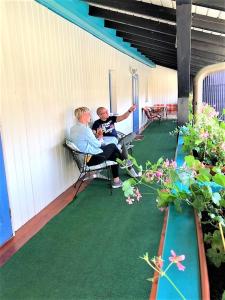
(205, 290)
(202, 260)
(160, 250)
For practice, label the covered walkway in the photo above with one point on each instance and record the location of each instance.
(91, 249)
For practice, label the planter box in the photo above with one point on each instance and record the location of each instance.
(183, 235)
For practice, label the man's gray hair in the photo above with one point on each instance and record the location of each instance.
(99, 110)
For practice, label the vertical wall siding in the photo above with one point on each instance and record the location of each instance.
(163, 86)
(214, 91)
(49, 67)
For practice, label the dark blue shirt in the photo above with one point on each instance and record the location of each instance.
(107, 126)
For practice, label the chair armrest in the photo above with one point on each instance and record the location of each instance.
(120, 134)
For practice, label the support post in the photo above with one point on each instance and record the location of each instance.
(183, 20)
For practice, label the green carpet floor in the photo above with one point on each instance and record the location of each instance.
(91, 249)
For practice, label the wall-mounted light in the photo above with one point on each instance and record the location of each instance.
(133, 71)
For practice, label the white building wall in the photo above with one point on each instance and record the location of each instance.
(48, 67)
(163, 86)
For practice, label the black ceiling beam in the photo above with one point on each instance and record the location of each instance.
(163, 13)
(164, 64)
(143, 39)
(207, 54)
(159, 55)
(202, 60)
(154, 46)
(214, 4)
(132, 20)
(208, 48)
(196, 68)
(205, 59)
(152, 50)
(138, 34)
(153, 57)
(197, 36)
(161, 59)
(150, 42)
(208, 23)
(137, 38)
(207, 37)
(173, 49)
(139, 7)
(141, 32)
(198, 64)
(157, 51)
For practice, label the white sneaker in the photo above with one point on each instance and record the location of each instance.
(132, 173)
(116, 185)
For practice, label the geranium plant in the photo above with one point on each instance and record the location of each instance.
(205, 137)
(191, 184)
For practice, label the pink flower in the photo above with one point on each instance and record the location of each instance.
(149, 176)
(162, 209)
(166, 163)
(176, 259)
(159, 174)
(213, 114)
(130, 200)
(204, 135)
(138, 194)
(173, 164)
(223, 146)
(159, 262)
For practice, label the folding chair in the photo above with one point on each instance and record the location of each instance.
(151, 114)
(88, 172)
(127, 138)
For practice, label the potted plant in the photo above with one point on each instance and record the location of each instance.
(192, 185)
(206, 137)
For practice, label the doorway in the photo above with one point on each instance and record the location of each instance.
(135, 100)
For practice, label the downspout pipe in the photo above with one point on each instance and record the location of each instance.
(198, 84)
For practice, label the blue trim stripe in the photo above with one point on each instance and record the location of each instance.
(5, 219)
(77, 13)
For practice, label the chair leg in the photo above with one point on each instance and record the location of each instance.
(109, 171)
(81, 180)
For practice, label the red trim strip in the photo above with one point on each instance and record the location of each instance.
(160, 250)
(28, 230)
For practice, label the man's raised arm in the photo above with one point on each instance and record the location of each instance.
(126, 114)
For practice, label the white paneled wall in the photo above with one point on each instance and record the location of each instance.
(163, 86)
(48, 67)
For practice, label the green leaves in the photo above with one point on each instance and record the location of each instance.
(192, 163)
(204, 175)
(216, 253)
(128, 187)
(216, 198)
(219, 179)
(165, 198)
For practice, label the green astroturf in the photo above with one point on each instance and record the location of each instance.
(91, 249)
